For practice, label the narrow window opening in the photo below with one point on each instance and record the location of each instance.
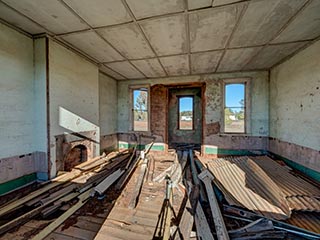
(140, 109)
(186, 113)
(235, 107)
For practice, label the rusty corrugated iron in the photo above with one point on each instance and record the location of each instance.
(300, 194)
(245, 184)
(306, 220)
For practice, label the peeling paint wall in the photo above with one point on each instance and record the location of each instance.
(74, 97)
(16, 93)
(108, 111)
(40, 107)
(295, 103)
(259, 97)
(108, 104)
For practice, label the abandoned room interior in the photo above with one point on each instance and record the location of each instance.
(159, 119)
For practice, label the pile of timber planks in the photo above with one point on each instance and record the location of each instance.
(69, 191)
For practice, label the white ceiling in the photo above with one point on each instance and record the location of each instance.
(137, 39)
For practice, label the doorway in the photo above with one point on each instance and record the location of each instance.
(184, 116)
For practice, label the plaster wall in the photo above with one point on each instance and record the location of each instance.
(295, 99)
(108, 100)
(16, 93)
(108, 104)
(74, 97)
(295, 108)
(259, 97)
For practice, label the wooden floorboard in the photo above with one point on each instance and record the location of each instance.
(138, 223)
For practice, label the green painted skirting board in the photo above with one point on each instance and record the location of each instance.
(307, 171)
(16, 183)
(220, 151)
(141, 147)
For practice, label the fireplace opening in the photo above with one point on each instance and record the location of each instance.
(75, 156)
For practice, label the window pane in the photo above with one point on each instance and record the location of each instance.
(140, 110)
(234, 120)
(185, 113)
(234, 95)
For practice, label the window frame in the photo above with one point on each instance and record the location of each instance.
(247, 105)
(185, 96)
(132, 88)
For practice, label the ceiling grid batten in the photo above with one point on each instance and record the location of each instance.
(142, 32)
(231, 35)
(62, 1)
(188, 33)
(165, 32)
(279, 32)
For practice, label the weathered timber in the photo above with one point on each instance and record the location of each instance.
(108, 181)
(55, 224)
(139, 183)
(221, 229)
(202, 226)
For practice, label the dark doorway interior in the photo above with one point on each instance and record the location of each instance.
(76, 155)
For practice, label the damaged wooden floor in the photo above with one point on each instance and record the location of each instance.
(139, 223)
(111, 218)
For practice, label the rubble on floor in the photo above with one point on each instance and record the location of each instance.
(174, 195)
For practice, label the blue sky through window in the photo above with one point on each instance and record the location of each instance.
(136, 94)
(234, 94)
(186, 104)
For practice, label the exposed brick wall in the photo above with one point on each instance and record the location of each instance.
(159, 96)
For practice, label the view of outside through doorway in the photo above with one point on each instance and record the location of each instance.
(140, 110)
(234, 110)
(186, 113)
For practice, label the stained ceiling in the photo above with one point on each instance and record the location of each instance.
(137, 39)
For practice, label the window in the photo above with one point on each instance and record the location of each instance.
(234, 107)
(140, 109)
(185, 113)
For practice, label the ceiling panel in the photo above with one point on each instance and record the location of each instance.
(90, 43)
(216, 3)
(272, 54)
(125, 69)
(176, 65)
(143, 9)
(16, 19)
(205, 62)
(263, 20)
(129, 40)
(210, 29)
(194, 4)
(52, 15)
(150, 67)
(167, 35)
(111, 73)
(100, 12)
(235, 59)
(305, 26)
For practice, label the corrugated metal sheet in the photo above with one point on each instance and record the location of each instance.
(309, 221)
(300, 194)
(245, 184)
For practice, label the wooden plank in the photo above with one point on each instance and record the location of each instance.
(138, 186)
(222, 233)
(186, 223)
(109, 232)
(52, 226)
(58, 236)
(127, 174)
(108, 181)
(55, 183)
(79, 233)
(202, 226)
(25, 217)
